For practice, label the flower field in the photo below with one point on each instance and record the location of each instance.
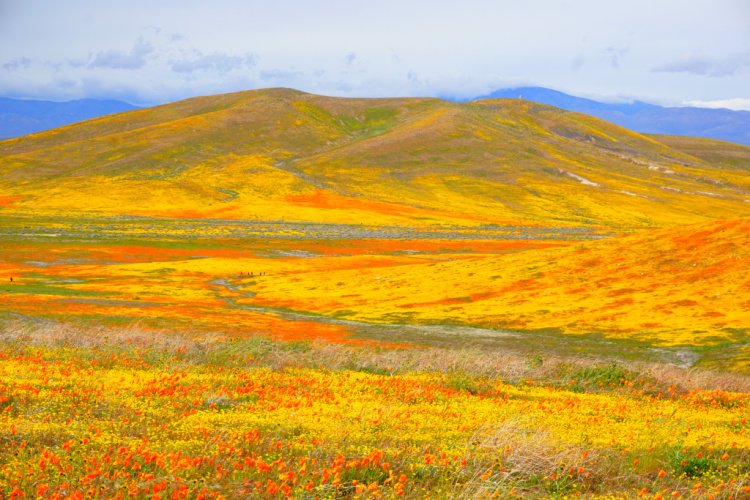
(273, 294)
(336, 362)
(127, 414)
(680, 295)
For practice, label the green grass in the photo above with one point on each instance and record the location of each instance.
(598, 378)
(42, 289)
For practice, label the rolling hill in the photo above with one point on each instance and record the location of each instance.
(684, 286)
(280, 154)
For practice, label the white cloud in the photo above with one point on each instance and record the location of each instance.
(615, 55)
(708, 66)
(281, 76)
(220, 63)
(737, 104)
(161, 51)
(135, 59)
(17, 63)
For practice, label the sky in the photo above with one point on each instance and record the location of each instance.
(147, 52)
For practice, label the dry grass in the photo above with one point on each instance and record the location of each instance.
(509, 366)
(529, 457)
(456, 423)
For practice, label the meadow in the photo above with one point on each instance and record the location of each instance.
(272, 294)
(206, 359)
(123, 413)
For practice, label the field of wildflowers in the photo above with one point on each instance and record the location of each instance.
(678, 294)
(125, 414)
(136, 365)
(272, 294)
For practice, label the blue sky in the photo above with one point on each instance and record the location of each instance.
(148, 52)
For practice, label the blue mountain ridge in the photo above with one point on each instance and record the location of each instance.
(21, 116)
(25, 116)
(722, 124)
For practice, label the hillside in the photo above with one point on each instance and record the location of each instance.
(678, 293)
(718, 153)
(721, 124)
(26, 116)
(280, 154)
(684, 286)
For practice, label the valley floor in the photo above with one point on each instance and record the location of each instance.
(197, 358)
(679, 295)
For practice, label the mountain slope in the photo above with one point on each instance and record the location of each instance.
(722, 124)
(21, 116)
(718, 153)
(282, 154)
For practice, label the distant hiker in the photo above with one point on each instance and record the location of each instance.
(11, 279)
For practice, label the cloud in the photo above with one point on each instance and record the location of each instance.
(413, 77)
(76, 63)
(104, 89)
(65, 83)
(218, 62)
(201, 48)
(704, 66)
(135, 59)
(280, 75)
(17, 63)
(615, 54)
(736, 104)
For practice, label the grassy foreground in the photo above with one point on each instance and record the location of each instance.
(122, 413)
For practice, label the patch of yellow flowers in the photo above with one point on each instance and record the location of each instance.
(136, 422)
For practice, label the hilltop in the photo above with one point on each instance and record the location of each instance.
(280, 154)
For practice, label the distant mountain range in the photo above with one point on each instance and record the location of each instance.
(722, 124)
(21, 116)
